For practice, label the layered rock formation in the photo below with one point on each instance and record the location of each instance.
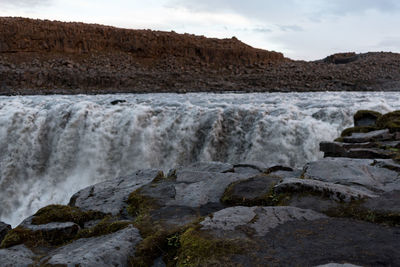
(337, 210)
(40, 57)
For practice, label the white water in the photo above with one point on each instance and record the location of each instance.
(52, 146)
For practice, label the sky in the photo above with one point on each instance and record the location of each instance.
(301, 29)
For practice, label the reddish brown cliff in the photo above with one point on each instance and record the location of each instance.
(27, 35)
(46, 57)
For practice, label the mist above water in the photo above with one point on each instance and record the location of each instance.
(52, 146)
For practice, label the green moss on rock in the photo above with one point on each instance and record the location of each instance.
(268, 199)
(355, 210)
(366, 114)
(199, 249)
(106, 226)
(61, 213)
(390, 121)
(21, 235)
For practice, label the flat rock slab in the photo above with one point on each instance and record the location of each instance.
(4, 228)
(380, 135)
(55, 232)
(318, 242)
(357, 173)
(195, 189)
(19, 256)
(335, 192)
(259, 219)
(110, 196)
(361, 151)
(108, 250)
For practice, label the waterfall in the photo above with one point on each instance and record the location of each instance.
(52, 146)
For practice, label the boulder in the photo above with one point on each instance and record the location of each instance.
(366, 118)
(108, 250)
(19, 256)
(117, 101)
(4, 228)
(390, 121)
(53, 233)
(110, 196)
(356, 173)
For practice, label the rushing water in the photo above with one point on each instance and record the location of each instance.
(52, 146)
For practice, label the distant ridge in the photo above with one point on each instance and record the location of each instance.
(28, 35)
(52, 57)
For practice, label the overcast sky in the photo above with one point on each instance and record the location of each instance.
(301, 29)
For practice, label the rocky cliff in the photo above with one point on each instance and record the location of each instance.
(39, 57)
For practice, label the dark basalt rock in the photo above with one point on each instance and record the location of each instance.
(4, 228)
(118, 101)
(373, 136)
(251, 192)
(108, 250)
(366, 118)
(16, 256)
(357, 173)
(111, 196)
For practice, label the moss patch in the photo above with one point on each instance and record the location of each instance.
(366, 114)
(199, 249)
(390, 121)
(104, 227)
(61, 213)
(358, 129)
(268, 199)
(20, 235)
(355, 210)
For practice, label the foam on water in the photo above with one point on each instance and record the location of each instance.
(52, 146)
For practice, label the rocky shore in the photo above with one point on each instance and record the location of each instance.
(48, 57)
(343, 209)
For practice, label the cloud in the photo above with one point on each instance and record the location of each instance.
(24, 3)
(293, 28)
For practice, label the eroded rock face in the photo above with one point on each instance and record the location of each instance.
(108, 250)
(110, 196)
(27, 35)
(16, 256)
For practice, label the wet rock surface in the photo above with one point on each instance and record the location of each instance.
(110, 196)
(108, 250)
(16, 256)
(356, 173)
(337, 211)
